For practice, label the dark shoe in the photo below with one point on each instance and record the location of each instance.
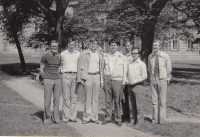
(85, 122)
(105, 122)
(74, 121)
(96, 121)
(119, 124)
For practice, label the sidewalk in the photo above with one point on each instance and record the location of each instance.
(27, 88)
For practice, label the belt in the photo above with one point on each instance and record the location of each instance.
(94, 73)
(71, 72)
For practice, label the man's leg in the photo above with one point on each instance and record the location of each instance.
(48, 90)
(162, 89)
(154, 95)
(117, 89)
(66, 85)
(137, 91)
(73, 94)
(95, 91)
(56, 99)
(88, 97)
(131, 106)
(125, 105)
(108, 98)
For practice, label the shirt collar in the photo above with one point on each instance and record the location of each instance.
(128, 54)
(67, 52)
(137, 61)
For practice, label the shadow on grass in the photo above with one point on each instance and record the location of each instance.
(15, 68)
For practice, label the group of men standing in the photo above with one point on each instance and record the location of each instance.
(120, 76)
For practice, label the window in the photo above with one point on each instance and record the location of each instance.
(175, 44)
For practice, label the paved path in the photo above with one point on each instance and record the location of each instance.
(27, 89)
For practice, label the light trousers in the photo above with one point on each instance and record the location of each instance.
(70, 92)
(52, 87)
(158, 93)
(91, 90)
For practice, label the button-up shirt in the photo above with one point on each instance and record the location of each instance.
(136, 72)
(129, 58)
(94, 63)
(69, 61)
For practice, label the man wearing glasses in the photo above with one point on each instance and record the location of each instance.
(159, 68)
(137, 73)
(115, 69)
(90, 76)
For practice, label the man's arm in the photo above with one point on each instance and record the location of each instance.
(125, 71)
(169, 68)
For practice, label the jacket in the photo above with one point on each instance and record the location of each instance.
(83, 65)
(119, 67)
(164, 65)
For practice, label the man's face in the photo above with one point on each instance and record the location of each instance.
(93, 45)
(71, 47)
(156, 48)
(113, 47)
(135, 54)
(54, 47)
(128, 46)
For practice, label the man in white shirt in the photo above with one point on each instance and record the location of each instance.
(69, 61)
(137, 73)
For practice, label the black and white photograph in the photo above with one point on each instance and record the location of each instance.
(100, 68)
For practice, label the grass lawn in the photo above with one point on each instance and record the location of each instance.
(21, 118)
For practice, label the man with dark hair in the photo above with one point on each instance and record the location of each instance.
(49, 70)
(137, 73)
(69, 62)
(90, 76)
(115, 69)
(159, 68)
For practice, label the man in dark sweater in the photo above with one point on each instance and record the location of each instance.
(49, 70)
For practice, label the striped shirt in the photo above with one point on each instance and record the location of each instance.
(51, 63)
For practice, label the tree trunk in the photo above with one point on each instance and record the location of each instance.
(147, 38)
(21, 56)
(60, 11)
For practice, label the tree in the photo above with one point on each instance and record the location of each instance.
(13, 20)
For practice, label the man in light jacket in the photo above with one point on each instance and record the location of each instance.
(90, 76)
(159, 68)
(115, 69)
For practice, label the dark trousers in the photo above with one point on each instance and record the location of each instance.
(113, 89)
(125, 104)
(136, 104)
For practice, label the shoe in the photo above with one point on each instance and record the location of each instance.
(74, 121)
(95, 121)
(105, 122)
(65, 121)
(85, 122)
(57, 122)
(136, 126)
(47, 121)
(130, 124)
(119, 124)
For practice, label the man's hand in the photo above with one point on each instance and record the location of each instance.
(42, 73)
(101, 85)
(82, 82)
(123, 87)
